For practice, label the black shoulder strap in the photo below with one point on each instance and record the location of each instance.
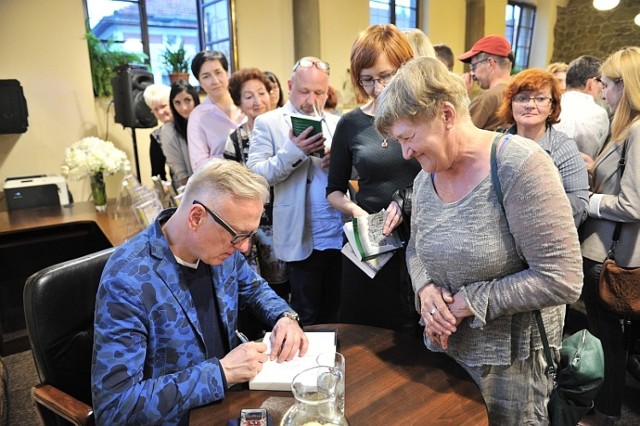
(494, 167)
(498, 189)
(545, 343)
(611, 254)
(494, 171)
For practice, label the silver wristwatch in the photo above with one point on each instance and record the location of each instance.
(291, 315)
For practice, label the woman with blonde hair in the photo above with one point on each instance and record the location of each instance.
(615, 199)
(420, 43)
(559, 72)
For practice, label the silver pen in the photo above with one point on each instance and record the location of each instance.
(242, 337)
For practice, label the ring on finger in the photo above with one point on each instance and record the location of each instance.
(433, 310)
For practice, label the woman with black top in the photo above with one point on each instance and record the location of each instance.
(387, 299)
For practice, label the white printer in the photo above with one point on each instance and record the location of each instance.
(35, 191)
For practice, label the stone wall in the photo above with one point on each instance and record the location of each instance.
(583, 30)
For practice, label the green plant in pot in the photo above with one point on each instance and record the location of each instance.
(104, 58)
(176, 63)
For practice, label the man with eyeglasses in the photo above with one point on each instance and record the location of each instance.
(490, 61)
(307, 231)
(581, 118)
(166, 338)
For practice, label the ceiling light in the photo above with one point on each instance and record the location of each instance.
(605, 4)
(637, 19)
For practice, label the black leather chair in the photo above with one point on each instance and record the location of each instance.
(59, 310)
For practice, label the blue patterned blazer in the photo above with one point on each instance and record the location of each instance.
(149, 358)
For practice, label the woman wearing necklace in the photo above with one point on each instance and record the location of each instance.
(387, 299)
(532, 101)
(217, 116)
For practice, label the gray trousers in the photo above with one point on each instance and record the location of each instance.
(516, 394)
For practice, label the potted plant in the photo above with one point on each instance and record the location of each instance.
(176, 63)
(104, 58)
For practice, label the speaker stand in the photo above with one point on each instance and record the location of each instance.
(135, 153)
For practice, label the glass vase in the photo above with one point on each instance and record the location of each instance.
(99, 191)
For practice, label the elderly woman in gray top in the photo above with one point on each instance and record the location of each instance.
(478, 275)
(615, 198)
(531, 100)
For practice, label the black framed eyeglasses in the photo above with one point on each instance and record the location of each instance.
(236, 238)
(307, 63)
(538, 100)
(370, 82)
(474, 65)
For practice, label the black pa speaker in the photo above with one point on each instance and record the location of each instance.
(128, 97)
(13, 107)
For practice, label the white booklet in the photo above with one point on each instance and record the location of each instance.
(276, 376)
(370, 267)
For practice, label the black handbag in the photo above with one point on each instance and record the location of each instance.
(578, 377)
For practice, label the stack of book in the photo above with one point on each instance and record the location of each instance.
(367, 247)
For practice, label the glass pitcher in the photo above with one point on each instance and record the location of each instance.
(315, 391)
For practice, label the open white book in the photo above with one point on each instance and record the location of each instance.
(276, 376)
(365, 236)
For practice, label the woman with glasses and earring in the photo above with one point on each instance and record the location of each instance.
(387, 299)
(217, 116)
(532, 102)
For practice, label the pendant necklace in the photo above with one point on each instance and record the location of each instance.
(384, 143)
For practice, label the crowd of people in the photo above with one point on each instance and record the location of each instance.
(260, 225)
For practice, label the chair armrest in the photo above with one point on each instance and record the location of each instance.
(62, 404)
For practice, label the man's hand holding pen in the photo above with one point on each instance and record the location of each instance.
(244, 361)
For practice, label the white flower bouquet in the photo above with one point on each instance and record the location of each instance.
(92, 155)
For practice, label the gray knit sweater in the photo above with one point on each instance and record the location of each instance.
(506, 269)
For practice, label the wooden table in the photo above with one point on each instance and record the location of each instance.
(392, 379)
(32, 239)
(115, 229)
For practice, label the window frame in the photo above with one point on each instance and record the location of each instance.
(232, 55)
(392, 4)
(518, 38)
(199, 6)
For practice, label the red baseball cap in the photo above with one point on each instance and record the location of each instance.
(493, 45)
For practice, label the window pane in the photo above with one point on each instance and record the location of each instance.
(406, 15)
(216, 27)
(520, 20)
(379, 12)
(116, 20)
(167, 27)
(170, 27)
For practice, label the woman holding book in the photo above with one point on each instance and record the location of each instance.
(482, 265)
(387, 299)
